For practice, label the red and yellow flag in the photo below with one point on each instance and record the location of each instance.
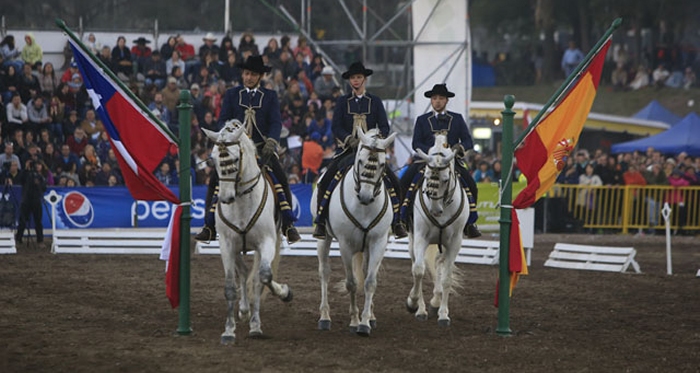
(546, 149)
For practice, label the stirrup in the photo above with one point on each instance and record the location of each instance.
(320, 231)
(206, 234)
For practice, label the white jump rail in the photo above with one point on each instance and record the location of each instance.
(593, 258)
(116, 241)
(472, 251)
(7, 242)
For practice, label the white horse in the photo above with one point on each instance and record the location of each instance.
(440, 212)
(245, 221)
(359, 218)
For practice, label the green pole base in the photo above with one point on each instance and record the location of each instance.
(184, 331)
(504, 332)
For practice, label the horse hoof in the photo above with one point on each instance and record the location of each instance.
(324, 324)
(227, 340)
(433, 311)
(444, 323)
(353, 329)
(289, 297)
(373, 324)
(256, 334)
(421, 317)
(411, 309)
(363, 330)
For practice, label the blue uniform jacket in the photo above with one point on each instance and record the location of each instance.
(427, 125)
(267, 111)
(346, 107)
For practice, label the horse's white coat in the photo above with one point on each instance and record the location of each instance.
(246, 202)
(439, 199)
(368, 204)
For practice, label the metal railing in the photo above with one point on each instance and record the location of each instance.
(627, 207)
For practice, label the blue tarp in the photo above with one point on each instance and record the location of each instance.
(655, 111)
(684, 136)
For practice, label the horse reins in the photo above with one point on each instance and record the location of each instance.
(227, 168)
(372, 168)
(357, 223)
(454, 217)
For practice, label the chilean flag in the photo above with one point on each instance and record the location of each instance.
(140, 144)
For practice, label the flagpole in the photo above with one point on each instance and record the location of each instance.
(62, 25)
(615, 24)
(185, 111)
(505, 221)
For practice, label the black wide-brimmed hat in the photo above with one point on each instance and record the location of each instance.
(255, 64)
(439, 89)
(357, 68)
(141, 40)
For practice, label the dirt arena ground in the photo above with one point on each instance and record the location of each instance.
(89, 313)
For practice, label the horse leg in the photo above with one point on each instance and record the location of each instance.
(323, 248)
(243, 303)
(229, 335)
(436, 300)
(282, 291)
(351, 287)
(449, 256)
(376, 254)
(262, 276)
(415, 302)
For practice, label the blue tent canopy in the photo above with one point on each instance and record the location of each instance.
(655, 111)
(684, 136)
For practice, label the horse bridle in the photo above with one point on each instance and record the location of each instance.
(371, 168)
(434, 183)
(228, 167)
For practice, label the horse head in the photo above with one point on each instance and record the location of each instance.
(369, 165)
(234, 158)
(439, 174)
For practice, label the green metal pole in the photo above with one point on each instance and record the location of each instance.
(503, 327)
(569, 79)
(185, 112)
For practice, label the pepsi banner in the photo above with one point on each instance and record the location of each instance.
(113, 207)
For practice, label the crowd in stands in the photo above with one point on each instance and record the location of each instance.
(47, 116)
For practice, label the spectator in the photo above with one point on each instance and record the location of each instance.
(16, 114)
(247, 46)
(160, 106)
(92, 126)
(50, 156)
(10, 173)
(208, 47)
(77, 142)
(689, 78)
(230, 73)
(155, 71)
(187, 55)
(166, 50)
(171, 95)
(316, 67)
(48, 80)
(102, 176)
(11, 82)
(32, 53)
(10, 54)
(311, 158)
(483, 174)
(619, 77)
(90, 157)
(33, 188)
(29, 86)
(121, 59)
(57, 112)
(659, 76)
(140, 53)
(226, 47)
(287, 65)
(272, 51)
(8, 156)
(571, 58)
(38, 115)
(165, 176)
(323, 85)
(304, 50)
(105, 57)
(641, 78)
(676, 199)
(92, 44)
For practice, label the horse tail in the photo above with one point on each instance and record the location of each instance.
(432, 258)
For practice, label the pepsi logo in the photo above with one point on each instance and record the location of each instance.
(77, 209)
